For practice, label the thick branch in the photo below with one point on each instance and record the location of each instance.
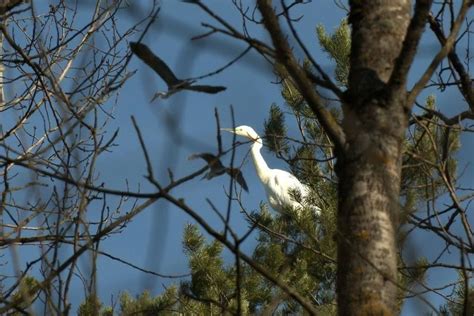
(466, 86)
(410, 44)
(286, 58)
(325, 82)
(441, 54)
(449, 121)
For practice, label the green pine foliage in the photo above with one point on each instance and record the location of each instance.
(147, 305)
(211, 289)
(428, 145)
(460, 303)
(292, 97)
(417, 272)
(275, 131)
(25, 295)
(90, 307)
(338, 47)
(410, 277)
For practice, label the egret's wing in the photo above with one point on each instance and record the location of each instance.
(156, 63)
(286, 180)
(236, 174)
(299, 191)
(286, 188)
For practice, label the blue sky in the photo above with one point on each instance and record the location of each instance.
(153, 239)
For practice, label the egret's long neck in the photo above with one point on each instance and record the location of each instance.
(260, 164)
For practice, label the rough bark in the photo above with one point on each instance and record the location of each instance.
(375, 119)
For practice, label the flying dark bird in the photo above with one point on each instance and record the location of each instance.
(161, 68)
(216, 168)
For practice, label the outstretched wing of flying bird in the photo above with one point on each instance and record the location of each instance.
(156, 63)
(205, 88)
(161, 68)
(238, 176)
(216, 168)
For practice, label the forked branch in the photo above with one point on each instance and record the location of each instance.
(447, 47)
(285, 56)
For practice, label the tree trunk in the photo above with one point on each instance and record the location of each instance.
(375, 120)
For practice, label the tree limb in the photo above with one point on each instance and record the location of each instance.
(286, 58)
(441, 54)
(410, 44)
(465, 80)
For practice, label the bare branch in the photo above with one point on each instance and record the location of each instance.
(466, 85)
(412, 39)
(286, 58)
(450, 40)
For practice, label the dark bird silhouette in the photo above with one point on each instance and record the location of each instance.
(216, 168)
(161, 68)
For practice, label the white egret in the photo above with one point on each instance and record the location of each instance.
(283, 189)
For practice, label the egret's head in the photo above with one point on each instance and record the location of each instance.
(243, 130)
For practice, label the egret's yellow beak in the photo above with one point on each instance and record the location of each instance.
(230, 130)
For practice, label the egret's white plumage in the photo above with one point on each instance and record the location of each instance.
(280, 186)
